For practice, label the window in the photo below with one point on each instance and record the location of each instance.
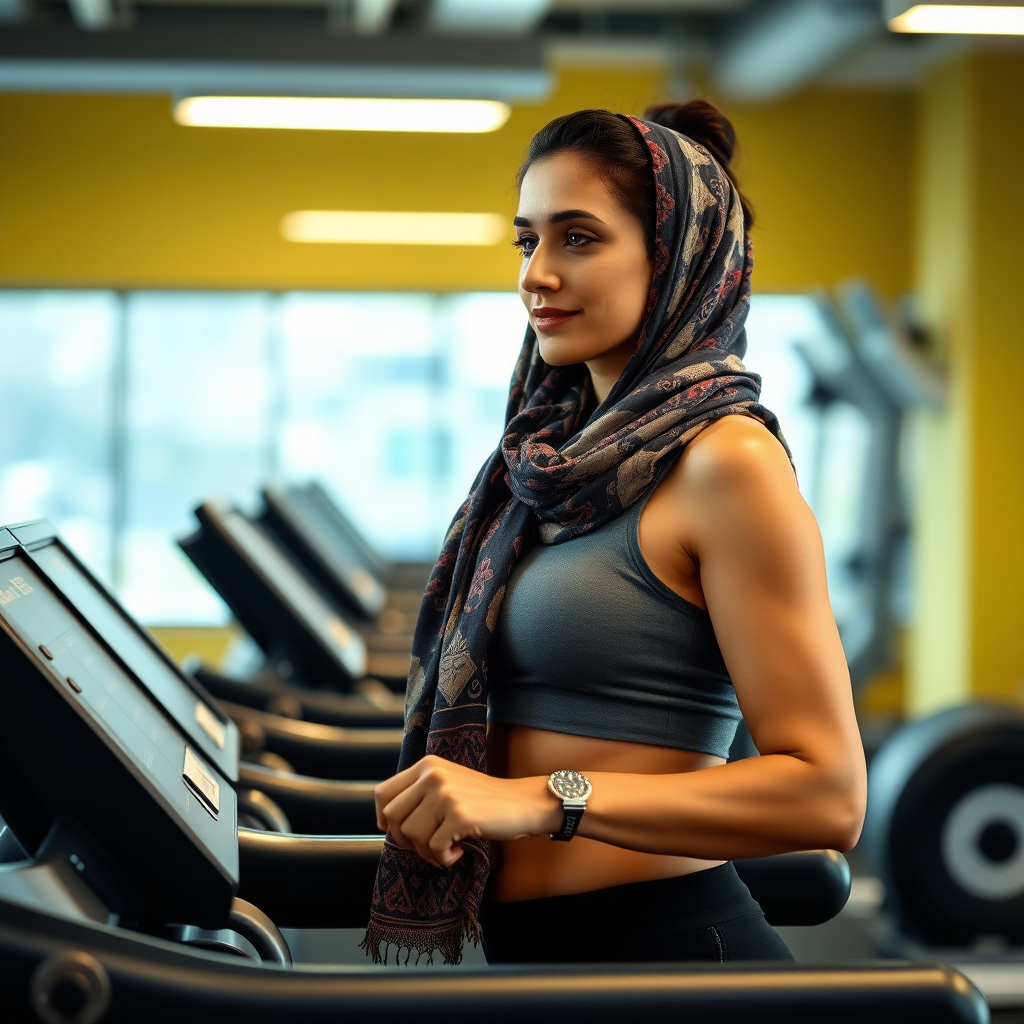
(122, 413)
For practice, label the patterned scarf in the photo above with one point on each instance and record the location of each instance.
(568, 473)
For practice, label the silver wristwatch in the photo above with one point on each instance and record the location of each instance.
(572, 788)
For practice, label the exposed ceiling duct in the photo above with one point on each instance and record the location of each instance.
(278, 61)
(783, 47)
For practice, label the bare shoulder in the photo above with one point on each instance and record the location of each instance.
(733, 457)
(740, 514)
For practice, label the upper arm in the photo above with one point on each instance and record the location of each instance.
(762, 572)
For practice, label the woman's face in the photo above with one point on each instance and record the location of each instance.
(586, 275)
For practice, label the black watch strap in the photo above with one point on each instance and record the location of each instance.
(573, 815)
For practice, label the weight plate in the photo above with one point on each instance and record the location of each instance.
(946, 825)
(983, 842)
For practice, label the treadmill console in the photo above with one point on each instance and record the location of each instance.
(327, 552)
(284, 611)
(191, 708)
(81, 737)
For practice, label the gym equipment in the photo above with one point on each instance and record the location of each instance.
(314, 805)
(332, 807)
(310, 525)
(46, 555)
(307, 638)
(107, 976)
(332, 552)
(321, 751)
(373, 707)
(139, 883)
(395, 576)
(945, 826)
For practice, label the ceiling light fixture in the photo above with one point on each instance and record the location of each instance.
(502, 16)
(370, 227)
(326, 113)
(958, 19)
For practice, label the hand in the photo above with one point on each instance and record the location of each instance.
(435, 804)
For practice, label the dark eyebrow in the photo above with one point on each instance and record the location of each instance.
(572, 215)
(557, 218)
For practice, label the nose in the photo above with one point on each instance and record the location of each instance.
(539, 273)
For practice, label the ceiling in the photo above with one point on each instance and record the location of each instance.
(750, 50)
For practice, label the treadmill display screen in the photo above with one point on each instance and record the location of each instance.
(332, 548)
(177, 697)
(115, 702)
(343, 642)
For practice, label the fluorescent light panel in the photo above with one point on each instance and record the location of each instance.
(326, 113)
(394, 228)
(961, 19)
(487, 15)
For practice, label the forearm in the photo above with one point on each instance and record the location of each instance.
(749, 808)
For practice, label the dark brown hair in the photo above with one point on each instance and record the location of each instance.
(616, 148)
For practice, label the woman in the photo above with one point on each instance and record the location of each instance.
(632, 567)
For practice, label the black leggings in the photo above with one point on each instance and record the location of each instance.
(705, 916)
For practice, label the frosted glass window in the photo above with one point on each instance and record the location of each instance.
(57, 365)
(199, 413)
(394, 402)
(122, 413)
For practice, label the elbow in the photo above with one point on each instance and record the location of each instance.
(842, 822)
(844, 836)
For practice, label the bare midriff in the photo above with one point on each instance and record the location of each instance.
(538, 867)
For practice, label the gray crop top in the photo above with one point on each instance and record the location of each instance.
(590, 642)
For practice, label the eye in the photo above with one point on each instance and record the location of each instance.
(577, 240)
(525, 244)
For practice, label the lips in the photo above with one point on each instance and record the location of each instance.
(548, 317)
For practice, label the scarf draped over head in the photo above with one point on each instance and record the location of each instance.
(569, 474)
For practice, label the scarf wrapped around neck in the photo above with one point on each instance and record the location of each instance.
(565, 474)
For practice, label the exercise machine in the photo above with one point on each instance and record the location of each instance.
(311, 644)
(945, 833)
(130, 893)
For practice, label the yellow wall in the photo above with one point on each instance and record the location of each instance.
(207, 644)
(969, 634)
(109, 191)
(830, 175)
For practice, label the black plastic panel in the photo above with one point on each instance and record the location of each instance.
(299, 628)
(200, 719)
(80, 737)
(326, 551)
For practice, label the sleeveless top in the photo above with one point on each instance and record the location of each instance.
(591, 643)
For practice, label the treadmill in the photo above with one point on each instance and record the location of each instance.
(385, 595)
(316, 658)
(394, 575)
(267, 798)
(128, 892)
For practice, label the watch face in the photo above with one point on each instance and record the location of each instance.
(568, 785)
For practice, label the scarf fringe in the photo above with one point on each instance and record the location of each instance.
(447, 940)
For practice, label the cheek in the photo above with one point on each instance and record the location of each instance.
(622, 292)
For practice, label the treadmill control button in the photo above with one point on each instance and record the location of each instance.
(74, 686)
(201, 782)
(45, 651)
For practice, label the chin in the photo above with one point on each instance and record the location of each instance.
(559, 352)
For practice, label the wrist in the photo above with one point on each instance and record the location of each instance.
(545, 808)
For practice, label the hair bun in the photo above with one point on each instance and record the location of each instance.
(701, 121)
